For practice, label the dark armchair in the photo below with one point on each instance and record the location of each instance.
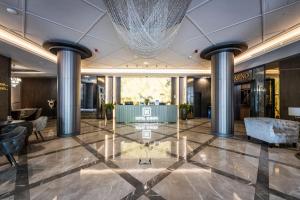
(35, 115)
(12, 142)
(27, 125)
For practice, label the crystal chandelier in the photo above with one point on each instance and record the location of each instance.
(15, 81)
(147, 26)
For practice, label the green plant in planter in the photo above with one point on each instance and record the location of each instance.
(108, 110)
(147, 101)
(185, 109)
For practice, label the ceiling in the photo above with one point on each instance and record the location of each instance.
(207, 22)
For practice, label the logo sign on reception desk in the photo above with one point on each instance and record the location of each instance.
(146, 115)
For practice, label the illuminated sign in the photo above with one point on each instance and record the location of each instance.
(146, 115)
(242, 77)
(146, 112)
(3, 87)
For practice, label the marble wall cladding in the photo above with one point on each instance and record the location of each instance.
(233, 163)
(284, 179)
(96, 182)
(192, 182)
(50, 165)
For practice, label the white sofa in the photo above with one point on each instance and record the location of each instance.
(274, 131)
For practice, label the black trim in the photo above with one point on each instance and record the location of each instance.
(56, 45)
(235, 47)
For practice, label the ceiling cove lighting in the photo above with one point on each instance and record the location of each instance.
(24, 72)
(276, 42)
(145, 71)
(20, 42)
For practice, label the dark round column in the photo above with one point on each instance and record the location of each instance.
(222, 70)
(69, 58)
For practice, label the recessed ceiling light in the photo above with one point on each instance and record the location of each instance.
(12, 11)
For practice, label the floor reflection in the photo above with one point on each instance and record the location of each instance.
(151, 160)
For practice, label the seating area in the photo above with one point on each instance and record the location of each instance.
(14, 135)
(273, 131)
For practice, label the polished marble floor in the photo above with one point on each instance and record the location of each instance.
(150, 161)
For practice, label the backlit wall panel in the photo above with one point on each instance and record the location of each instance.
(137, 89)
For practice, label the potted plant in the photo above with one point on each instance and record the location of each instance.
(147, 101)
(184, 109)
(109, 110)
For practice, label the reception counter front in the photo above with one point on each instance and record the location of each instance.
(145, 114)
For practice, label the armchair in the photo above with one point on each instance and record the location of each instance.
(12, 142)
(272, 130)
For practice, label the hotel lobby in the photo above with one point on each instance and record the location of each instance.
(149, 99)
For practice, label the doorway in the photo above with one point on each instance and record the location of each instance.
(242, 96)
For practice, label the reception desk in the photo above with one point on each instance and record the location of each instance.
(145, 114)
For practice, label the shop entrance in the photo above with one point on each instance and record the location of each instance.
(242, 107)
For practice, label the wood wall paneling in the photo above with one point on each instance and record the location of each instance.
(289, 85)
(202, 96)
(5, 89)
(35, 93)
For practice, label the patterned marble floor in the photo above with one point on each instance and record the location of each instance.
(187, 162)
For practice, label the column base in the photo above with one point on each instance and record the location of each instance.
(68, 135)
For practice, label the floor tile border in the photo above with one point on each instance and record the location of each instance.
(262, 181)
(139, 187)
